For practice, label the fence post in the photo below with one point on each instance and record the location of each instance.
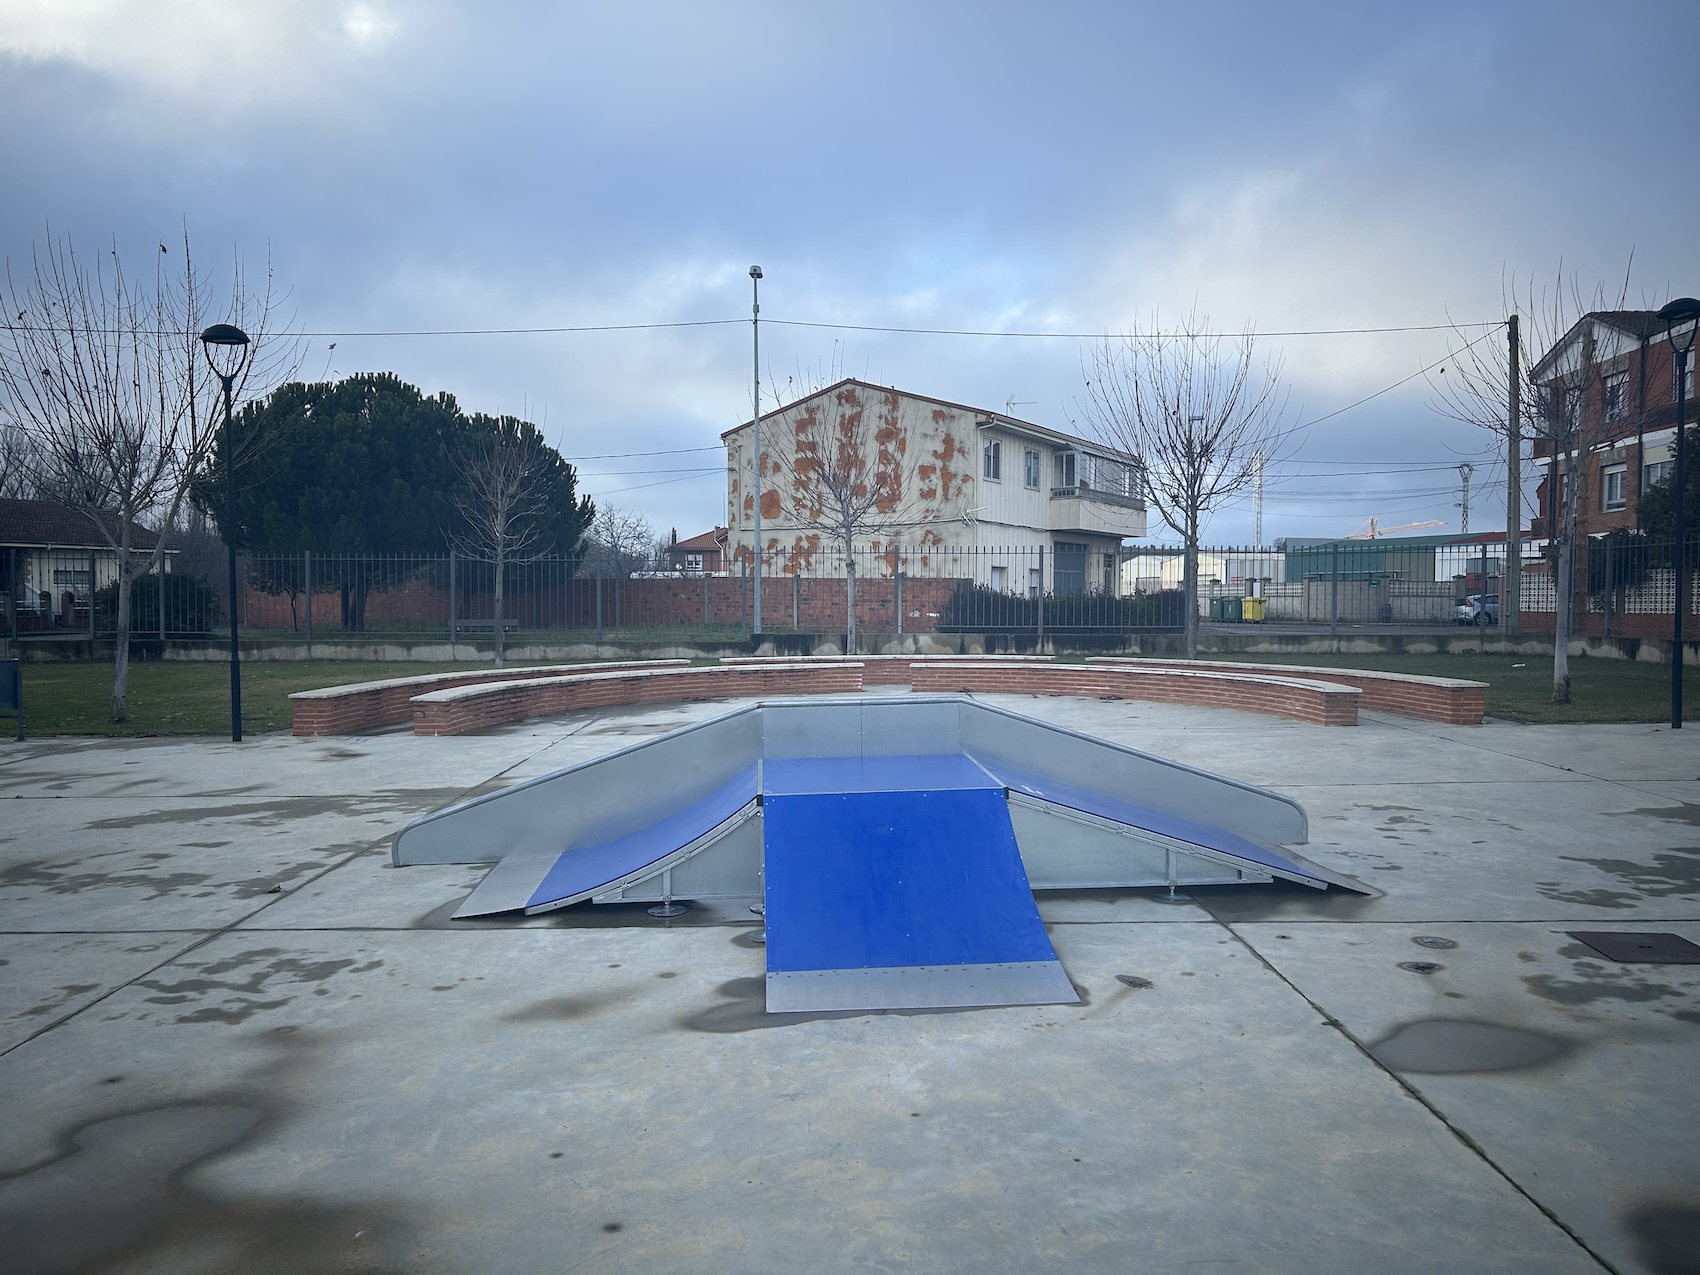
(796, 601)
(307, 592)
(1041, 595)
(1334, 593)
(93, 567)
(599, 604)
(12, 595)
(705, 599)
(743, 598)
(1611, 598)
(897, 585)
(454, 601)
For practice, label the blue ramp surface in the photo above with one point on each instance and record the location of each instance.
(901, 899)
(1191, 831)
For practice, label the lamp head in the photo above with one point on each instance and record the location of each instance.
(755, 272)
(1684, 311)
(231, 344)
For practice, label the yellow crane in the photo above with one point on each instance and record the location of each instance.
(1371, 529)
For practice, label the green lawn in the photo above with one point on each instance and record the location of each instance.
(186, 698)
(1520, 686)
(194, 698)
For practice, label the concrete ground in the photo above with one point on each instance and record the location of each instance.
(236, 1040)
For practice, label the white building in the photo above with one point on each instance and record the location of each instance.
(973, 493)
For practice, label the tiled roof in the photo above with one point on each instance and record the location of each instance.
(708, 540)
(46, 522)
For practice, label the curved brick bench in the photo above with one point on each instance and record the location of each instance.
(456, 710)
(1436, 699)
(343, 710)
(1317, 702)
(886, 670)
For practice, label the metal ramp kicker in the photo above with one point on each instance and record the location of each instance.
(896, 841)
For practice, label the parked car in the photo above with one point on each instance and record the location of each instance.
(1479, 610)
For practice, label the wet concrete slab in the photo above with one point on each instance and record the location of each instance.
(337, 1077)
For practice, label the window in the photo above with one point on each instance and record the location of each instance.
(1064, 470)
(1000, 579)
(1035, 581)
(693, 562)
(1616, 396)
(1572, 408)
(1030, 468)
(76, 581)
(994, 460)
(1110, 573)
(1654, 474)
(1614, 487)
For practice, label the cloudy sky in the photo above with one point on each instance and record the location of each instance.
(1064, 167)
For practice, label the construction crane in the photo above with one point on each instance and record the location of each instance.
(1371, 529)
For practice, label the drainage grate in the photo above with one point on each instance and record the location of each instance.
(1649, 949)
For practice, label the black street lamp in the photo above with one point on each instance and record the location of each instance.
(1684, 312)
(231, 343)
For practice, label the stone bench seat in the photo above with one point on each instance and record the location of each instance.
(1303, 699)
(457, 710)
(362, 706)
(1437, 699)
(886, 670)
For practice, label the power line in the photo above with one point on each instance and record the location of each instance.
(1110, 336)
(671, 451)
(1413, 376)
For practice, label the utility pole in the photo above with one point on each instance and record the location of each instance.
(1464, 472)
(755, 343)
(1511, 574)
(1257, 500)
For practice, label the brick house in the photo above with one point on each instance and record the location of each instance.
(700, 555)
(1612, 374)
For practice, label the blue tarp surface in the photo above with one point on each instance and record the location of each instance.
(1135, 816)
(858, 880)
(589, 868)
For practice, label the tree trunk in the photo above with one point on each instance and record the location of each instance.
(1564, 587)
(500, 626)
(121, 635)
(1190, 585)
(850, 597)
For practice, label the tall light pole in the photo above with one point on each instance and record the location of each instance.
(755, 345)
(231, 342)
(1683, 312)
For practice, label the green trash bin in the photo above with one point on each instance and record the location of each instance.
(1225, 610)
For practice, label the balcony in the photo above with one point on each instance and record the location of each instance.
(1098, 513)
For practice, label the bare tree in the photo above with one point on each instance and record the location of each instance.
(620, 543)
(103, 374)
(1475, 387)
(853, 481)
(504, 469)
(1200, 414)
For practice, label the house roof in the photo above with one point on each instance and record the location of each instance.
(47, 523)
(980, 413)
(1642, 325)
(715, 539)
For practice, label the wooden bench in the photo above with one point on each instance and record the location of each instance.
(1435, 699)
(1303, 699)
(361, 706)
(456, 710)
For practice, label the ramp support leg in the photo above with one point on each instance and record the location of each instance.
(667, 907)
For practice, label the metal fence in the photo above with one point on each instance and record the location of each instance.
(1624, 586)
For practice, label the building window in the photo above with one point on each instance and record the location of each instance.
(693, 562)
(78, 582)
(1030, 468)
(1064, 470)
(1000, 579)
(1035, 581)
(994, 460)
(1654, 474)
(1572, 409)
(1614, 487)
(1616, 396)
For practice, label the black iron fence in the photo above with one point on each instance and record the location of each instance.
(1624, 584)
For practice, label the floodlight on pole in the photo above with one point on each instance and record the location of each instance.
(1681, 317)
(231, 344)
(755, 346)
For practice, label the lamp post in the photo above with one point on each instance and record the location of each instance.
(1683, 312)
(755, 345)
(231, 344)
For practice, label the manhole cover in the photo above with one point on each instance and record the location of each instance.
(1648, 949)
(1420, 967)
(1434, 941)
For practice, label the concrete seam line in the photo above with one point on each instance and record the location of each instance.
(1417, 1095)
(210, 935)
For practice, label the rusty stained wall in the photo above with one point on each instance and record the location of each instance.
(928, 451)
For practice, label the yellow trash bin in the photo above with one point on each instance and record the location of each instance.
(1253, 609)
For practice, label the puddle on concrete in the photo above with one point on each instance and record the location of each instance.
(118, 1198)
(1667, 1236)
(1442, 1045)
(1670, 872)
(1685, 812)
(238, 981)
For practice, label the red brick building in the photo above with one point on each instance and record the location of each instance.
(700, 555)
(1608, 385)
